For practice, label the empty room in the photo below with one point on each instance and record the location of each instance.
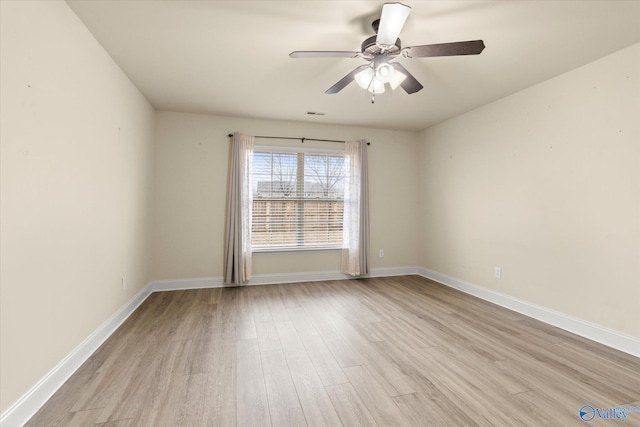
(319, 213)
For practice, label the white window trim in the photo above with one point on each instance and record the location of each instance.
(259, 148)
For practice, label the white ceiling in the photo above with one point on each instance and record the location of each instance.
(231, 57)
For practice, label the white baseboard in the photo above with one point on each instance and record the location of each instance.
(312, 276)
(270, 279)
(319, 276)
(25, 407)
(184, 284)
(592, 331)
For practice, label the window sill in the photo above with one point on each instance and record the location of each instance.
(296, 249)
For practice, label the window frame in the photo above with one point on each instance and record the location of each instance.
(304, 151)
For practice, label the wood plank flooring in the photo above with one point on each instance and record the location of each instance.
(399, 351)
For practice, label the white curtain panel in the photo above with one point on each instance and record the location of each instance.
(355, 246)
(237, 264)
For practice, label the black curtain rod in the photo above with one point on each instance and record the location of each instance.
(303, 139)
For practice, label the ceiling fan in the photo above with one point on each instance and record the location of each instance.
(378, 50)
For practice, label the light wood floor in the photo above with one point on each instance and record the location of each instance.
(398, 351)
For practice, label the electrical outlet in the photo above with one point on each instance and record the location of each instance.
(498, 272)
(381, 253)
(124, 282)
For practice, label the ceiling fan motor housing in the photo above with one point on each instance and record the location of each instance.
(370, 47)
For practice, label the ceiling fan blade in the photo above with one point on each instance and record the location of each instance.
(345, 80)
(473, 47)
(393, 17)
(410, 84)
(324, 54)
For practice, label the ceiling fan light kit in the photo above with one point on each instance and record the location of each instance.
(385, 72)
(385, 45)
(374, 77)
(397, 80)
(365, 77)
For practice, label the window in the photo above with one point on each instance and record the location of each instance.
(298, 199)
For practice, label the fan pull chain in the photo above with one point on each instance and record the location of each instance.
(373, 97)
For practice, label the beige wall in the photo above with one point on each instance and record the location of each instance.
(191, 162)
(76, 177)
(545, 184)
